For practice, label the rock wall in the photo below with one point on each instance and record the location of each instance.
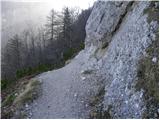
(118, 34)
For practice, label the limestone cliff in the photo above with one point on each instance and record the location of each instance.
(122, 31)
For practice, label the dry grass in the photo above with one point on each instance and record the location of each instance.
(14, 104)
(29, 93)
(9, 99)
(67, 61)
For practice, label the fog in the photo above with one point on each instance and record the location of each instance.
(17, 16)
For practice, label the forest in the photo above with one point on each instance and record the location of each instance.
(32, 52)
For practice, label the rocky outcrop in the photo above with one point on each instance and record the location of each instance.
(100, 82)
(125, 26)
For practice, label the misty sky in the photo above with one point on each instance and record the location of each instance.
(59, 4)
(17, 15)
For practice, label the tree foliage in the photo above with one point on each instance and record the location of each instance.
(50, 46)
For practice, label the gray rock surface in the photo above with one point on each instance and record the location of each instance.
(66, 92)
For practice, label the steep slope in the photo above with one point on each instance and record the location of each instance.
(100, 82)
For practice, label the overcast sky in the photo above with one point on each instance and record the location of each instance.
(59, 4)
(17, 15)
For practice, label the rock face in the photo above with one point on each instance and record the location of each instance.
(100, 82)
(124, 25)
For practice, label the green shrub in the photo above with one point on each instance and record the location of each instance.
(9, 100)
(81, 46)
(68, 53)
(29, 71)
(4, 84)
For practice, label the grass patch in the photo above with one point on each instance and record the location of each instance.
(28, 94)
(9, 100)
(26, 90)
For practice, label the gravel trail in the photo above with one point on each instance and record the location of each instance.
(63, 94)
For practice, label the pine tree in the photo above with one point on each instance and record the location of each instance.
(67, 27)
(15, 49)
(12, 57)
(53, 24)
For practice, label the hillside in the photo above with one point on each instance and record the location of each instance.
(115, 76)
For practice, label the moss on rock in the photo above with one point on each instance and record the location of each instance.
(152, 11)
(148, 69)
(148, 80)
